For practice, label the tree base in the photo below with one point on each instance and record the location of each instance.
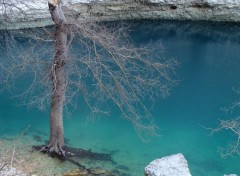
(53, 151)
(66, 152)
(73, 155)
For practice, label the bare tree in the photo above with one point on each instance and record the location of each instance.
(106, 68)
(233, 126)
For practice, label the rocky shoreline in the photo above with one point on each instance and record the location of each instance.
(34, 13)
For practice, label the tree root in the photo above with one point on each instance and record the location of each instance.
(69, 152)
(73, 155)
(53, 151)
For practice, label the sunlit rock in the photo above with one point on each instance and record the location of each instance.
(173, 165)
(34, 13)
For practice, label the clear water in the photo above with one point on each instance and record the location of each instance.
(209, 68)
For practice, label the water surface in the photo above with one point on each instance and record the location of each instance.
(209, 62)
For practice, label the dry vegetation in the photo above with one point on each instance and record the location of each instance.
(25, 161)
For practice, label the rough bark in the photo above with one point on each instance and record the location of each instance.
(56, 140)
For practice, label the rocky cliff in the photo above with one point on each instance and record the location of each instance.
(34, 13)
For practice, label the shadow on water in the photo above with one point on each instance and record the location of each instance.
(81, 153)
(76, 155)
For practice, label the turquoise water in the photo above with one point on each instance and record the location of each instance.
(209, 62)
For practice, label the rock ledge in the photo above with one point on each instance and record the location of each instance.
(34, 13)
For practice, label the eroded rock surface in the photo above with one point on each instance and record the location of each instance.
(34, 13)
(173, 165)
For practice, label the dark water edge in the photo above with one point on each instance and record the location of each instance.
(208, 56)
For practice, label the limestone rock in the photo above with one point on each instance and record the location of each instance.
(34, 13)
(173, 165)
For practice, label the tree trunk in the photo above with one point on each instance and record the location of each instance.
(56, 140)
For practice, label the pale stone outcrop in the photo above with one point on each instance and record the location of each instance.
(34, 13)
(17, 14)
(173, 165)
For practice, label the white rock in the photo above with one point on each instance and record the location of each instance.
(35, 13)
(230, 175)
(187, 1)
(173, 165)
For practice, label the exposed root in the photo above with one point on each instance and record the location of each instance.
(76, 155)
(69, 152)
(54, 151)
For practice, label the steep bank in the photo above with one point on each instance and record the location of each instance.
(34, 13)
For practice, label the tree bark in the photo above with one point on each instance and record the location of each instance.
(56, 140)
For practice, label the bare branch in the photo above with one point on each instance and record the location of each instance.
(120, 72)
(102, 66)
(233, 126)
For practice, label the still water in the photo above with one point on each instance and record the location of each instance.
(209, 62)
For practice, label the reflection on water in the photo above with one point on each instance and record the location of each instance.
(208, 70)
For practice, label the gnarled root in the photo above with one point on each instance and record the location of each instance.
(54, 151)
(67, 153)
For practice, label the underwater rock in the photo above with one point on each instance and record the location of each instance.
(123, 167)
(77, 172)
(173, 165)
(99, 171)
(89, 172)
(230, 175)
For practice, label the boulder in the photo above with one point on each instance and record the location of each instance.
(173, 165)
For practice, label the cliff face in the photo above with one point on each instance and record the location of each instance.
(17, 14)
(34, 13)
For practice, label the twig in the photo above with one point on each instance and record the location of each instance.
(3, 166)
(13, 153)
(16, 142)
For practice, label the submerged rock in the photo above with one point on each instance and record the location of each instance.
(173, 165)
(230, 175)
(99, 171)
(77, 172)
(123, 167)
(89, 172)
